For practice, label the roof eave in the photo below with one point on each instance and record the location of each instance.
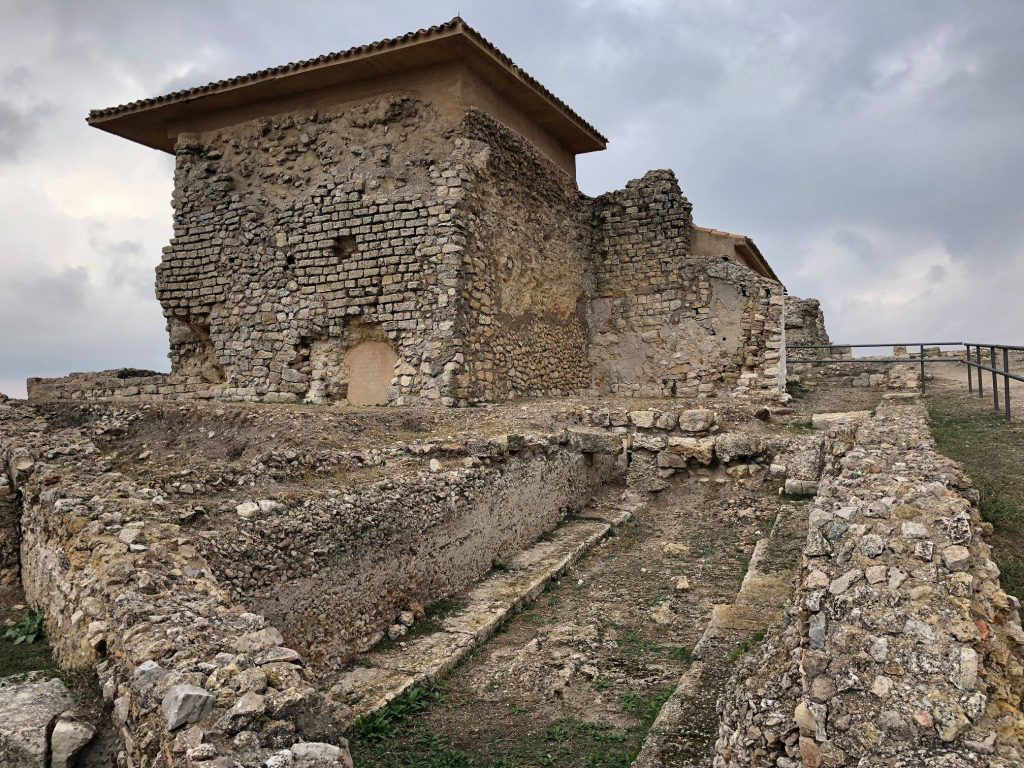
(146, 122)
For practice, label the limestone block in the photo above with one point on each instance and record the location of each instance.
(700, 449)
(826, 420)
(69, 736)
(697, 420)
(594, 441)
(731, 446)
(28, 711)
(185, 704)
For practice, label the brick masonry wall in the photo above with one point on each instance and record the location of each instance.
(299, 236)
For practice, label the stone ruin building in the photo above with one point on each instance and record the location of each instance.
(642, 540)
(400, 223)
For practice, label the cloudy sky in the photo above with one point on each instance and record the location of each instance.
(874, 150)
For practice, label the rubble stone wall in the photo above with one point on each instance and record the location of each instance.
(527, 272)
(665, 322)
(805, 324)
(900, 647)
(190, 675)
(334, 573)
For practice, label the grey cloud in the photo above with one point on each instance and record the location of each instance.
(16, 77)
(17, 129)
(127, 264)
(874, 130)
(64, 291)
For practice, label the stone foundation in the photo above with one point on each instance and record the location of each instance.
(900, 647)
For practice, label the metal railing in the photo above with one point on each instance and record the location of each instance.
(972, 364)
(1005, 372)
(883, 360)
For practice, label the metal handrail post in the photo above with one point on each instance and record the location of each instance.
(1006, 380)
(981, 379)
(922, 369)
(995, 381)
(970, 371)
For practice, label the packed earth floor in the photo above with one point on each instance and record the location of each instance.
(577, 678)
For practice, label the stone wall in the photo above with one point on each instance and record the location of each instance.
(298, 237)
(900, 647)
(189, 675)
(805, 324)
(527, 272)
(333, 573)
(665, 322)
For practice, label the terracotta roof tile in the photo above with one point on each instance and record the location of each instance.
(456, 24)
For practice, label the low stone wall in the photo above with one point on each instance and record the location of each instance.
(334, 571)
(900, 647)
(117, 383)
(191, 677)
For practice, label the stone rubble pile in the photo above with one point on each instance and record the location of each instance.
(900, 648)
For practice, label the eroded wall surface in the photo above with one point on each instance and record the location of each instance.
(351, 562)
(666, 322)
(527, 272)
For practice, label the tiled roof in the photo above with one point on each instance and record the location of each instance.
(456, 24)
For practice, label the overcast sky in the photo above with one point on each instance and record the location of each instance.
(873, 150)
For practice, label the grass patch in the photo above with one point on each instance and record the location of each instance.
(24, 648)
(377, 726)
(680, 653)
(747, 645)
(400, 737)
(967, 430)
(23, 645)
(425, 750)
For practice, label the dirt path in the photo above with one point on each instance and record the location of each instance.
(577, 679)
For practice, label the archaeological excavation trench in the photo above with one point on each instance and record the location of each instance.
(333, 564)
(549, 583)
(577, 678)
